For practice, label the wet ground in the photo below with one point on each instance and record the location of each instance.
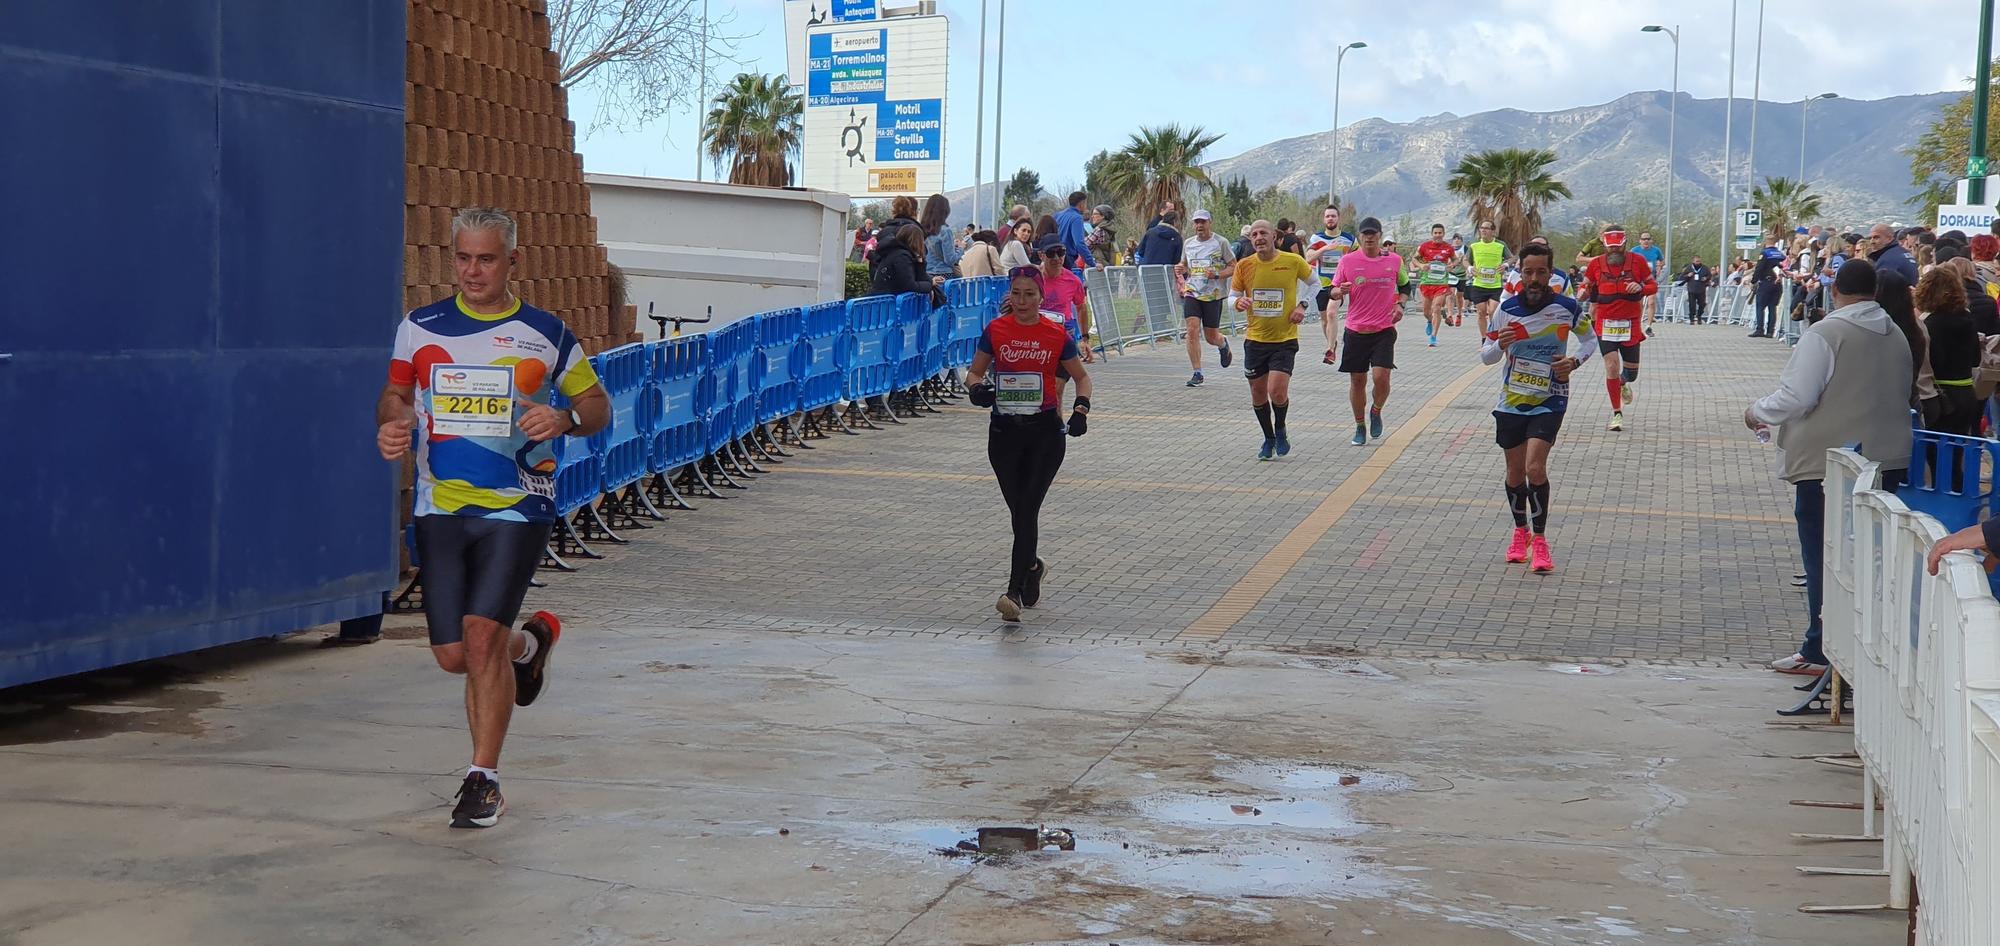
(701, 787)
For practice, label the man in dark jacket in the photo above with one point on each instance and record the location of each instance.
(1161, 246)
(1768, 290)
(1695, 276)
(1888, 255)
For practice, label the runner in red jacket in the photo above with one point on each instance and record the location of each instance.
(1618, 283)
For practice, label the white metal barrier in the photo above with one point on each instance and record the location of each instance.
(1132, 305)
(1923, 655)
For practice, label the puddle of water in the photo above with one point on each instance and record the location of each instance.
(1311, 778)
(1248, 811)
(1586, 669)
(1355, 668)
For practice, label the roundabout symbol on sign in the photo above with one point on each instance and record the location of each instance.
(853, 128)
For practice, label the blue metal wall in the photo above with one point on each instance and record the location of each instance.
(200, 270)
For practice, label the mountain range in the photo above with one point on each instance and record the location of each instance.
(1605, 153)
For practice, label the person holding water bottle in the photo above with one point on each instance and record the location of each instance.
(1017, 372)
(1535, 331)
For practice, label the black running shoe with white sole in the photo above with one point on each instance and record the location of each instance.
(479, 803)
(530, 677)
(1032, 595)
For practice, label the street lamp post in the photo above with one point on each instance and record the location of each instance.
(979, 123)
(1333, 178)
(1673, 107)
(1728, 125)
(1804, 129)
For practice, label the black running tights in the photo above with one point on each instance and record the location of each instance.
(1025, 453)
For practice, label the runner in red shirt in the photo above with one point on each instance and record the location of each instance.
(1027, 353)
(1433, 263)
(1618, 283)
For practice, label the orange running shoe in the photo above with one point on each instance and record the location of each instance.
(1517, 551)
(1543, 562)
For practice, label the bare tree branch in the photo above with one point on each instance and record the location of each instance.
(642, 59)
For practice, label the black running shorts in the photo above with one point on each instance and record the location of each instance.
(475, 567)
(1628, 351)
(1209, 312)
(1512, 430)
(1325, 296)
(1262, 358)
(1481, 294)
(1359, 352)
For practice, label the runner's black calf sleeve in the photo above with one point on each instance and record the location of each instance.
(1517, 504)
(1538, 495)
(1264, 420)
(1278, 415)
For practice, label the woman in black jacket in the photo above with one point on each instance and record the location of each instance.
(898, 265)
(1954, 351)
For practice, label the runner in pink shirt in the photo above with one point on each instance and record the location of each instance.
(1369, 280)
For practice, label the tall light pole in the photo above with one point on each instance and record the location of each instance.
(702, 102)
(1728, 125)
(999, 93)
(979, 130)
(1805, 104)
(1333, 178)
(1975, 160)
(1756, 92)
(1673, 108)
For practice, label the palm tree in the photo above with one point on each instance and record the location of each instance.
(1157, 165)
(755, 124)
(1510, 186)
(1786, 203)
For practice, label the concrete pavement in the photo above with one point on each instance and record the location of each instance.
(1266, 699)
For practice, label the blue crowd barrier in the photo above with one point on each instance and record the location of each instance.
(579, 477)
(779, 363)
(871, 349)
(730, 350)
(626, 373)
(1946, 476)
(937, 341)
(679, 367)
(913, 310)
(820, 350)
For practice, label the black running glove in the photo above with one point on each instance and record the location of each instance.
(1079, 417)
(981, 394)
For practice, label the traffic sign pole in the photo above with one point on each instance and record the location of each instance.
(1975, 164)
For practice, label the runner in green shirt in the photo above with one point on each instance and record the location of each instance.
(1488, 259)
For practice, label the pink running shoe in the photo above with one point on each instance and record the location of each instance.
(1543, 562)
(1517, 551)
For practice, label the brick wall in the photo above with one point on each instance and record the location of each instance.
(487, 124)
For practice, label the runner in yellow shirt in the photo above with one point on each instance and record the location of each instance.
(1271, 287)
(1488, 271)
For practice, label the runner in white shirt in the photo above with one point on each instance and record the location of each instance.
(1204, 270)
(1324, 251)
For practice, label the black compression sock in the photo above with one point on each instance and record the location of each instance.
(1278, 416)
(1517, 504)
(1264, 420)
(1539, 494)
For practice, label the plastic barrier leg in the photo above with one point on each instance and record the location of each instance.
(858, 415)
(767, 446)
(660, 490)
(567, 542)
(712, 467)
(411, 599)
(738, 451)
(793, 434)
(595, 527)
(694, 478)
(633, 503)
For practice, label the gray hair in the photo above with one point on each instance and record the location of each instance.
(486, 218)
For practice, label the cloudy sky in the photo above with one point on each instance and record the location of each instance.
(1257, 78)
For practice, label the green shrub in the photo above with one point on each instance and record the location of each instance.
(857, 280)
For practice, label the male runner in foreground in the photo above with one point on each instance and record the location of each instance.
(1271, 287)
(1324, 251)
(476, 373)
(1434, 261)
(1533, 335)
(1370, 278)
(1614, 284)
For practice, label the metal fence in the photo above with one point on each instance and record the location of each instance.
(1140, 305)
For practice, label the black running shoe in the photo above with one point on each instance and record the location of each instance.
(531, 676)
(1227, 357)
(479, 803)
(1033, 593)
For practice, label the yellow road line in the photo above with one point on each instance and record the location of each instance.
(1242, 597)
(1566, 507)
